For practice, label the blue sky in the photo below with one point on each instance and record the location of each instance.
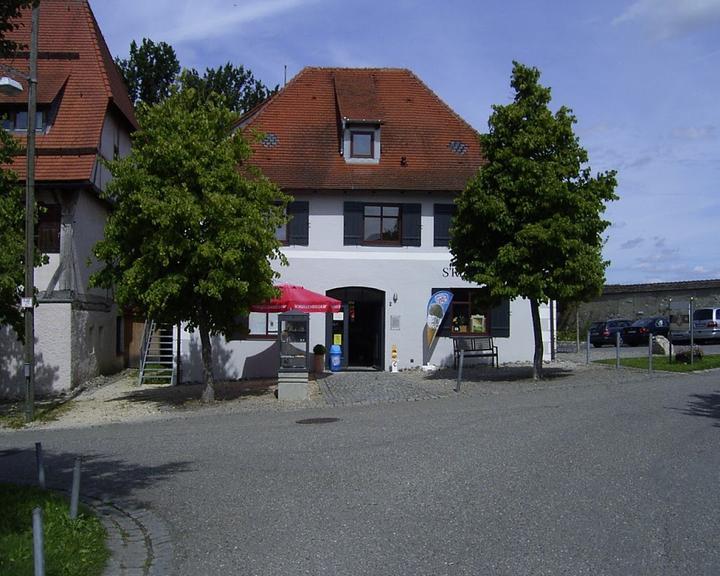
(643, 78)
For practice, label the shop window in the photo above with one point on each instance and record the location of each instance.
(47, 231)
(382, 224)
(262, 325)
(295, 231)
(472, 312)
(442, 219)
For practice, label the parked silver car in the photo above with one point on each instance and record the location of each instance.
(706, 324)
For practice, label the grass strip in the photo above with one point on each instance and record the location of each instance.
(663, 363)
(72, 547)
(13, 415)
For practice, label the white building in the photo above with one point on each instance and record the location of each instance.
(84, 116)
(373, 159)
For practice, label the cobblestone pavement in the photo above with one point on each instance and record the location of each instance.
(367, 387)
(138, 540)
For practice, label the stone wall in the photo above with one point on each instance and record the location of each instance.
(641, 300)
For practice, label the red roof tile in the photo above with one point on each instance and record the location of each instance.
(440, 150)
(73, 61)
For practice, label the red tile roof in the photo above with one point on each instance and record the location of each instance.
(73, 61)
(440, 149)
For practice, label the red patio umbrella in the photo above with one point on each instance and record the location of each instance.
(300, 299)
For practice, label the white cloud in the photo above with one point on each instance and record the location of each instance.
(220, 18)
(695, 133)
(667, 18)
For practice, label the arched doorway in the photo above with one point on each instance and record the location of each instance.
(360, 328)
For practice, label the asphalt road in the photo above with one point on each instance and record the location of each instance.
(598, 473)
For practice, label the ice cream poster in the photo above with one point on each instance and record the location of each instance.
(436, 309)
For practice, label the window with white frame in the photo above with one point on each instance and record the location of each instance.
(361, 143)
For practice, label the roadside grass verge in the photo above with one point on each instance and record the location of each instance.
(13, 415)
(72, 547)
(664, 364)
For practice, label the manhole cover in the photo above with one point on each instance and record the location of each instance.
(317, 420)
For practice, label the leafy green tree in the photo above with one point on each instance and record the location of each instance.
(150, 71)
(9, 12)
(240, 90)
(12, 238)
(12, 219)
(530, 223)
(192, 232)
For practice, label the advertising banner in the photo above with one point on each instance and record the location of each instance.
(437, 307)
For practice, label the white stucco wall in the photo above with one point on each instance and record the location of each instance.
(52, 354)
(409, 272)
(113, 130)
(88, 228)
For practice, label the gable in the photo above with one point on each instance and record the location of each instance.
(78, 80)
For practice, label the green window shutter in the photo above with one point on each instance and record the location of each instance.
(442, 218)
(411, 224)
(500, 320)
(353, 234)
(297, 229)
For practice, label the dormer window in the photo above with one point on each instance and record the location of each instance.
(16, 120)
(361, 142)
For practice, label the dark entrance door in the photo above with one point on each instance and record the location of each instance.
(362, 326)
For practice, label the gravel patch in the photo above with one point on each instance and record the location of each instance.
(119, 398)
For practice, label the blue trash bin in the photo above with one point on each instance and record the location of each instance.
(335, 358)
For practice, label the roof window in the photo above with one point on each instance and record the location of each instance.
(361, 143)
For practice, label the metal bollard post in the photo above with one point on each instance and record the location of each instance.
(617, 350)
(38, 545)
(40, 465)
(691, 314)
(587, 349)
(460, 368)
(650, 343)
(75, 494)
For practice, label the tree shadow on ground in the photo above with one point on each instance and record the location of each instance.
(188, 395)
(482, 373)
(102, 477)
(705, 405)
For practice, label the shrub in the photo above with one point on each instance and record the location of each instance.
(684, 355)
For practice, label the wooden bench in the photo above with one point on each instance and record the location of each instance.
(475, 347)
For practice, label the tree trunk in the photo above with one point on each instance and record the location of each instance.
(208, 394)
(537, 332)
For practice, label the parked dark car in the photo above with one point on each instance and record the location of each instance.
(637, 333)
(602, 333)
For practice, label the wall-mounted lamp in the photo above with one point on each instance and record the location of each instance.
(395, 297)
